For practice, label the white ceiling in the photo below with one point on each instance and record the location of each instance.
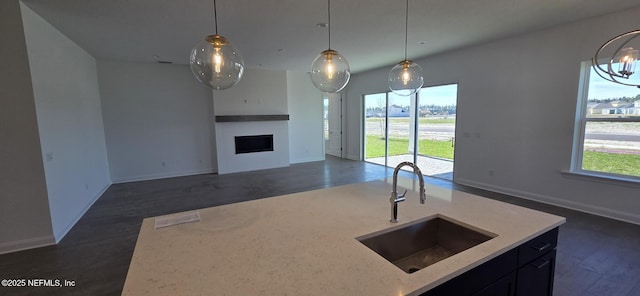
(283, 34)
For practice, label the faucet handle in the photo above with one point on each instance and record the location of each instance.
(396, 198)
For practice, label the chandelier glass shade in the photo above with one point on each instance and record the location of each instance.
(406, 77)
(621, 59)
(215, 62)
(330, 71)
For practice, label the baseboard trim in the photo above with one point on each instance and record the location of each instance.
(61, 234)
(586, 208)
(353, 157)
(31, 243)
(116, 180)
(307, 159)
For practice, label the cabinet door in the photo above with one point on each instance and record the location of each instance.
(506, 286)
(479, 278)
(536, 278)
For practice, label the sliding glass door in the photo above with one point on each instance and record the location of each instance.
(401, 125)
(437, 129)
(419, 128)
(375, 128)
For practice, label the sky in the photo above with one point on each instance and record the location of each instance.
(602, 89)
(443, 95)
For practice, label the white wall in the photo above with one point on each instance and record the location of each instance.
(516, 106)
(65, 86)
(24, 209)
(305, 124)
(158, 121)
(259, 92)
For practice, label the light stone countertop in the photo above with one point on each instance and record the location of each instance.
(305, 243)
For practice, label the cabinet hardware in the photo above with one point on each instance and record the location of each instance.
(542, 247)
(543, 264)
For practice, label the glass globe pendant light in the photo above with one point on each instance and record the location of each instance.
(405, 78)
(215, 62)
(330, 71)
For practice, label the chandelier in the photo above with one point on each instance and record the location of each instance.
(621, 63)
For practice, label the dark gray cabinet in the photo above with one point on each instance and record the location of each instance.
(505, 286)
(526, 270)
(536, 265)
(536, 278)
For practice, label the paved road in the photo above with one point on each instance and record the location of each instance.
(610, 137)
(449, 131)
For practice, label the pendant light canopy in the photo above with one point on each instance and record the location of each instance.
(622, 54)
(215, 62)
(405, 78)
(330, 71)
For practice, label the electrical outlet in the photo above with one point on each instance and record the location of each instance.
(49, 156)
(164, 163)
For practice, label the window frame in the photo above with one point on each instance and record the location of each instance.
(581, 121)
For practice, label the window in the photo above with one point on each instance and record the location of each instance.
(418, 128)
(607, 140)
(326, 118)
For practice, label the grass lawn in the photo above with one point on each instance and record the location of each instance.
(622, 164)
(375, 147)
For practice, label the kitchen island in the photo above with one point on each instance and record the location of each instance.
(306, 243)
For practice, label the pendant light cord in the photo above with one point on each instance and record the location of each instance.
(406, 30)
(215, 16)
(329, 21)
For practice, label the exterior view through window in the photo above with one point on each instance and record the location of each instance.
(419, 128)
(326, 118)
(607, 128)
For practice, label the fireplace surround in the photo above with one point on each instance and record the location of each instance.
(251, 142)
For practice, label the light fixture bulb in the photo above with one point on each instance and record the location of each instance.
(405, 78)
(627, 61)
(330, 71)
(216, 63)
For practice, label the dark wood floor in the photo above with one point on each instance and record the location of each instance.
(597, 256)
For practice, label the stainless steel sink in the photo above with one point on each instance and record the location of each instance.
(420, 244)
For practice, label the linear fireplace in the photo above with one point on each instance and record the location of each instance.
(243, 146)
(251, 144)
